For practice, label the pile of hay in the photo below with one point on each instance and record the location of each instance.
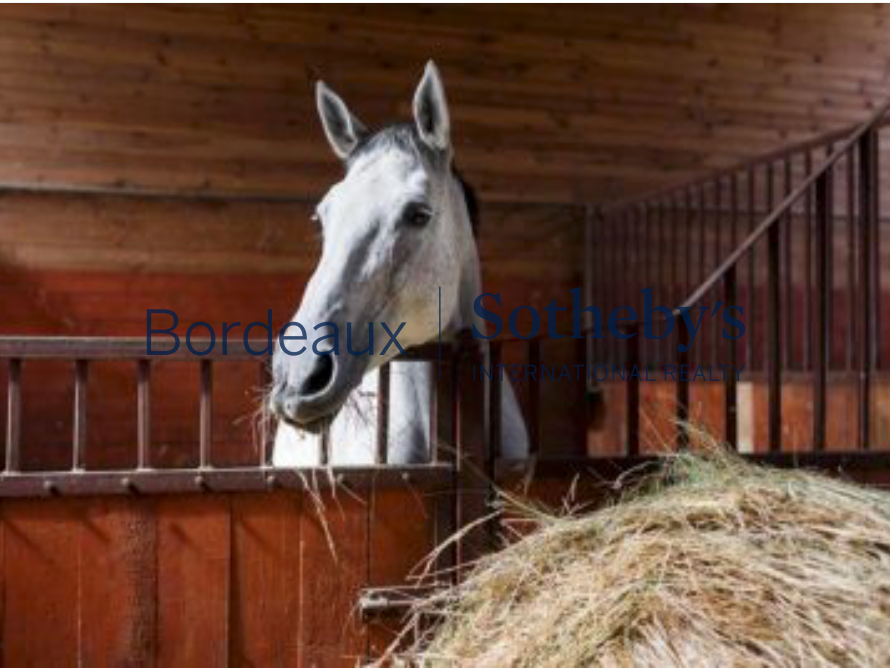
(720, 563)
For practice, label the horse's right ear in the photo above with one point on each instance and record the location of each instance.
(344, 131)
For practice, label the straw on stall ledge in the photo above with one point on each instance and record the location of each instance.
(711, 562)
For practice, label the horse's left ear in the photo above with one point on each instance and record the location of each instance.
(431, 110)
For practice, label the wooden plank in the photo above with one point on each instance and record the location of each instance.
(117, 583)
(266, 587)
(334, 562)
(41, 574)
(401, 535)
(193, 595)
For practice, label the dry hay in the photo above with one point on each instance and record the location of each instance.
(716, 563)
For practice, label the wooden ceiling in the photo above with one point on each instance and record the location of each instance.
(550, 104)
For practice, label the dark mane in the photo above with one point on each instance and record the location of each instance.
(404, 137)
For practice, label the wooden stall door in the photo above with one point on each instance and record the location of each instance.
(265, 579)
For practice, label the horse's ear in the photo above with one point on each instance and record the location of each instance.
(344, 131)
(431, 110)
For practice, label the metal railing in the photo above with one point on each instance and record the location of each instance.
(144, 477)
(768, 236)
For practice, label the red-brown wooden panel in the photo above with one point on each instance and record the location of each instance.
(193, 598)
(266, 579)
(117, 582)
(40, 574)
(401, 535)
(334, 561)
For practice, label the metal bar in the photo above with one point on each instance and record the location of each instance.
(752, 275)
(434, 414)
(589, 250)
(852, 328)
(718, 222)
(730, 295)
(822, 317)
(94, 348)
(205, 431)
(143, 414)
(426, 477)
(773, 240)
(534, 399)
(867, 215)
(264, 415)
(829, 254)
(788, 272)
(383, 376)
(611, 468)
(876, 249)
(14, 416)
(79, 437)
(633, 393)
(325, 453)
(682, 386)
(495, 430)
(807, 362)
(774, 324)
(697, 355)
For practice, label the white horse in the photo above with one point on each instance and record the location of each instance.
(396, 229)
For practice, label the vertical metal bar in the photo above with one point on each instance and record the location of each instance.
(730, 295)
(687, 241)
(589, 251)
(718, 221)
(674, 256)
(750, 352)
(659, 357)
(822, 317)
(697, 355)
(682, 386)
(434, 415)
(205, 434)
(534, 398)
(143, 414)
(633, 393)
(383, 379)
(325, 453)
(79, 437)
(774, 324)
(788, 271)
(264, 414)
(774, 240)
(867, 216)
(852, 324)
(807, 362)
(829, 251)
(495, 432)
(876, 248)
(14, 416)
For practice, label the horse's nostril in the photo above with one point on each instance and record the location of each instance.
(320, 377)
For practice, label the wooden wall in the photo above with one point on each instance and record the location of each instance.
(550, 103)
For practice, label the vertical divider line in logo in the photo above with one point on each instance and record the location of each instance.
(440, 333)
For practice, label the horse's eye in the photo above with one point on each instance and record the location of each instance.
(416, 215)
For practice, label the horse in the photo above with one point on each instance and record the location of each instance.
(397, 231)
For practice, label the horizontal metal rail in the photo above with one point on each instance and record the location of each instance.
(136, 348)
(429, 477)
